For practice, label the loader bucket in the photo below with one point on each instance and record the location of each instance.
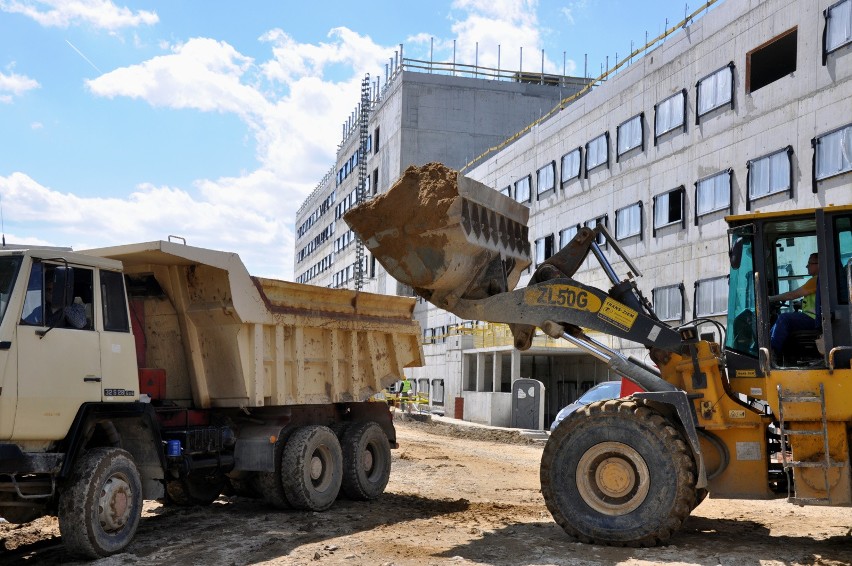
(445, 235)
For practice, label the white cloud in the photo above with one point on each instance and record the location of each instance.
(292, 103)
(13, 84)
(149, 213)
(571, 9)
(102, 14)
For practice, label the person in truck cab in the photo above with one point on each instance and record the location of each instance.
(805, 319)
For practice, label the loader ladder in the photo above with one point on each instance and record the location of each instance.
(789, 464)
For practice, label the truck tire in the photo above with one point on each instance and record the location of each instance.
(366, 461)
(618, 473)
(312, 468)
(100, 508)
(270, 485)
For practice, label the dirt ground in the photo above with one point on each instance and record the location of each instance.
(457, 495)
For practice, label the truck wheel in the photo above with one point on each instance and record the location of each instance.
(618, 473)
(100, 508)
(312, 468)
(269, 485)
(366, 461)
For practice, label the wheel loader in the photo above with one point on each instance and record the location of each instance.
(733, 419)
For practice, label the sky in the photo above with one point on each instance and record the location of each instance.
(213, 120)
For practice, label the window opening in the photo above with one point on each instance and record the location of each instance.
(711, 296)
(715, 90)
(628, 221)
(668, 302)
(597, 152)
(771, 61)
(670, 114)
(833, 154)
(546, 180)
(630, 135)
(713, 193)
(769, 175)
(571, 163)
(668, 209)
(838, 27)
(522, 189)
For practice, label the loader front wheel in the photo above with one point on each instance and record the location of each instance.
(312, 468)
(366, 461)
(618, 473)
(101, 506)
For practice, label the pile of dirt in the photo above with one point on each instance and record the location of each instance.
(487, 434)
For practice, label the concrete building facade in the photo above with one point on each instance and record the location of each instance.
(746, 109)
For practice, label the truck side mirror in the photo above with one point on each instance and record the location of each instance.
(63, 286)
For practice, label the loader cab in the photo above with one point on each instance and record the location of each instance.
(769, 255)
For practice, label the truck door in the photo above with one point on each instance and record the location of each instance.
(118, 349)
(9, 269)
(835, 274)
(59, 368)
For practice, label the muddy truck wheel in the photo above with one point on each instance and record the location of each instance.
(618, 473)
(366, 462)
(312, 468)
(100, 508)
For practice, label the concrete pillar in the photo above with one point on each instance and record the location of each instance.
(480, 371)
(498, 371)
(516, 364)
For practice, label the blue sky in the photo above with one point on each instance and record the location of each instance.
(211, 120)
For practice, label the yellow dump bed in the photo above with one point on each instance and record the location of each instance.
(227, 339)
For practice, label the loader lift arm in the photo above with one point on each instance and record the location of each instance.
(623, 472)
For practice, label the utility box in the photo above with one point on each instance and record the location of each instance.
(528, 404)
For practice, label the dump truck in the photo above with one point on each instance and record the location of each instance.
(164, 371)
(733, 419)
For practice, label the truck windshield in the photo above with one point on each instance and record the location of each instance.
(9, 266)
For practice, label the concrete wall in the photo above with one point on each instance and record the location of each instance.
(790, 111)
(493, 409)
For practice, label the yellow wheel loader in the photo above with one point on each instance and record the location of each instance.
(734, 419)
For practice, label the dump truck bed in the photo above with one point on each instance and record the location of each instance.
(227, 339)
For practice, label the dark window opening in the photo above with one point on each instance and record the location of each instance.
(376, 141)
(771, 61)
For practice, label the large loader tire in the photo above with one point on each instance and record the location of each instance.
(618, 473)
(366, 461)
(100, 508)
(312, 468)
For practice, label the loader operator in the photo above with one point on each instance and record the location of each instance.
(805, 319)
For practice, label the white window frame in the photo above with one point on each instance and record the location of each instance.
(572, 162)
(770, 174)
(665, 298)
(841, 161)
(718, 300)
(661, 202)
(630, 134)
(597, 152)
(628, 221)
(567, 234)
(715, 90)
(675, 102)
(838, 20)
(720, 185)
(523, 182)
(545, 179)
